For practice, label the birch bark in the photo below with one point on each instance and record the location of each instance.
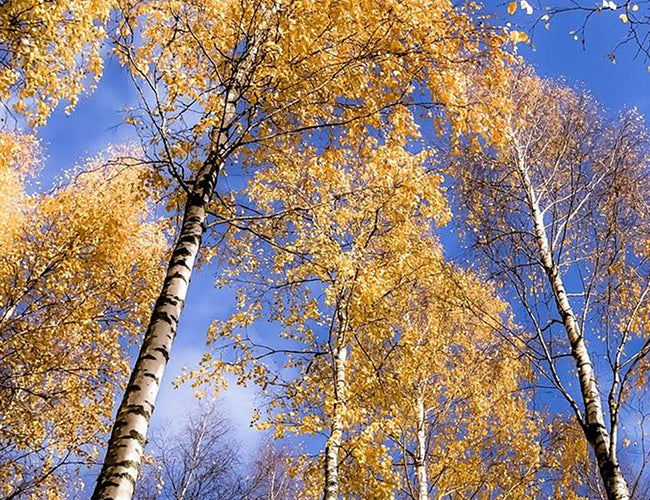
(126, 445)
(194, 461)
(421, 453)
(121, 466)
(333, 446)
(593, 423)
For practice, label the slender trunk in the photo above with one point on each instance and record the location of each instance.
(126, 445)
(272, 487)
(120, 470)
(594, 422)
(333, 446)
(194, 462)
(7, 314)
(421, 452)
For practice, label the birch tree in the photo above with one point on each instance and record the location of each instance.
(201, 458)
(272, 477)
(345, 224)
(197, 460)
(559, 215)
(77, 272)
(341, 253)
(449, 397)
(227, 82)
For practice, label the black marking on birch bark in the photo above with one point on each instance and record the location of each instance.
(151, 340)
(595, 432)
(182, 252)
(164, 352)
(125, 464)
(138, 437)
(121, 421)
(138, 410)
(126, 476)
(168, 300)
(205, 184)
(163, 316)
(194, 219)
(178, 276)
(146, 346)
(193, 239)
(180, 263)
(152, 376)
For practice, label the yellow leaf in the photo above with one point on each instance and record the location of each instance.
(527, 7)
(518, 37)
(512, 8)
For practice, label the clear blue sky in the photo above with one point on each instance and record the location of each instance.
(555, 53)
(96, 123)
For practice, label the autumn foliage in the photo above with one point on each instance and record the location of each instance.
(326, 160)
(72, 263)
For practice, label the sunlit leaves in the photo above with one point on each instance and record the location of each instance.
(77, 276)
(518, 37)
(49, 51)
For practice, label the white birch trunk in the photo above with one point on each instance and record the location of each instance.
(194, 463)
(272, 488)
(121, 466)
(333, 446)
(594, 422)
(126, 445)
(421, 452)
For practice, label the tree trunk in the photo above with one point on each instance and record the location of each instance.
(125, 447)
(196, 450)
(594, 422)
(120, 470)
(333, 446)
(421, 452)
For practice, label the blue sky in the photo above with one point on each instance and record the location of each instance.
(96, 123)
(555, 53)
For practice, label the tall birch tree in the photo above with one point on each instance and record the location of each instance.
(193, 459)
(225, 82)
(452, 397)
(559, 214)
(335, 250)
(201, 458)
(343, 227)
